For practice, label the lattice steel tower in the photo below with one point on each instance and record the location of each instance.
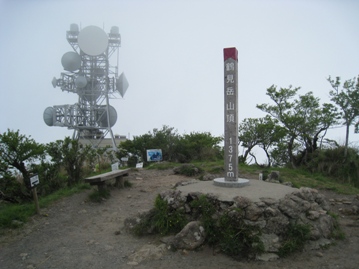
(89, 74)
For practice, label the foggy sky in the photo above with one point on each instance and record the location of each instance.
(172, 55)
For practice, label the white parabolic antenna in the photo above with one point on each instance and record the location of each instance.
(93, 40)
(81, 82)
(49, 116)
(122, 84)
(103, 117)
(71, 61)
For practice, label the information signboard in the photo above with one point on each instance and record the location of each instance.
(114, 166)
(154, 155)
(34, 181)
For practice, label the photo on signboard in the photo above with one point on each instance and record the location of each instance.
(154, 155)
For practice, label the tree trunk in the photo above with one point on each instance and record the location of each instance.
(268, 157)
(290, 152)
(246, 153)
(25, 174)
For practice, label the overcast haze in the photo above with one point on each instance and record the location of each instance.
(172, 55)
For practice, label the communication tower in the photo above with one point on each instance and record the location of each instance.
(89, 74)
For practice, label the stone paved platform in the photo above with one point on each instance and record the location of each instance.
(255, 190)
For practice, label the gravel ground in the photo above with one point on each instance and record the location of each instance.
(75, 233)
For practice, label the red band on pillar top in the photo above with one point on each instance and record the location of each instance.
(230, 53)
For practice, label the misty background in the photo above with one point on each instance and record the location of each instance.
(172, 55)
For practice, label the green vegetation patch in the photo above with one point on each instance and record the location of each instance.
(188, 170)
(11, 215)
(162, 166)
(295, 238)
(98, 196)
(127, 184)
(162, 220)
(238, 239)
(337, 232)
(228, 231)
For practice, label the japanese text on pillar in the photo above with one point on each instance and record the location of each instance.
(231, 121)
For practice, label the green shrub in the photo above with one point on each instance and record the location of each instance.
(295, 238)
(11, 215)
(188, 170)
(331, 163)
(238, 239)
(228, 232)
(132, 161)
(337, 232)
(161, 165)
(265, 174)
(216, 170)
(13, 191)
(50, 177)
(162, 219)
(167, 220)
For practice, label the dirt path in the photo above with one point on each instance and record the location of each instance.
(77, 234)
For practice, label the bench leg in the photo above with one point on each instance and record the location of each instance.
(101, 186)
(120, 182)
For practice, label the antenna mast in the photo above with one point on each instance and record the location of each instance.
(88, 73)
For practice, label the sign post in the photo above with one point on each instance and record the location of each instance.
(34, 181)
(230, 122)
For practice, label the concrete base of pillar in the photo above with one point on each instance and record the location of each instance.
(241, 182)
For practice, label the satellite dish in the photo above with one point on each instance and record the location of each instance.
(102, 117)
(93, 40)
(49, 116)
(80, 82)
(122, 84)
(54, 82)
(71, 61)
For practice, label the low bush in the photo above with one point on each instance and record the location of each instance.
(228, 232)
(337, 232)
(331, 163)
(188, 170)
(295, 238)
(162, 220)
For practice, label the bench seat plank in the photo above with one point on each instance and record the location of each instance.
(105, 176)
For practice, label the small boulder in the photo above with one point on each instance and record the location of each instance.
(208, 177)
(147, 252)
(273, 176)
(191, 237)
(242, 202)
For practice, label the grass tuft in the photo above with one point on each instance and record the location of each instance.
(295, 238)
(98, 196)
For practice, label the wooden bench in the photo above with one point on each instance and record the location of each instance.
(100, 180)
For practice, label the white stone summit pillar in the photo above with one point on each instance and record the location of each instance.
(231, 114)
(230, 121)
